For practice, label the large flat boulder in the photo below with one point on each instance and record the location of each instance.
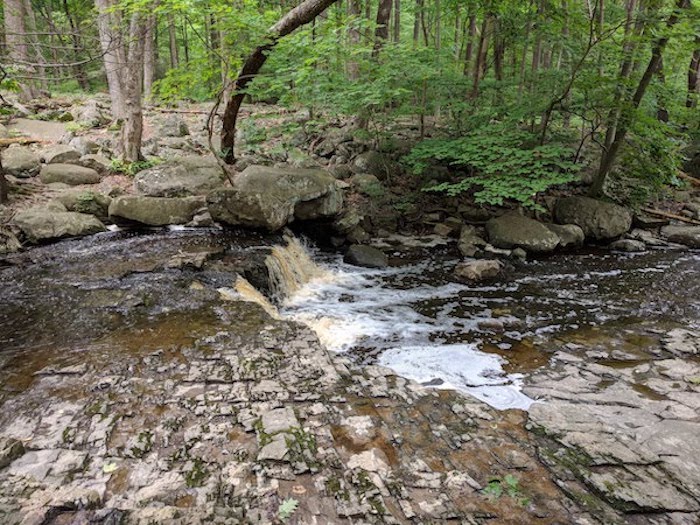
(269, 198)
(54, 222)
(599, 220)
(155, 211)
(85, 201)
(515, 231)
(181, 177)
(21, 161)
(687, 235)
(68, 174)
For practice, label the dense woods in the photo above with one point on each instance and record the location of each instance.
(519, 95)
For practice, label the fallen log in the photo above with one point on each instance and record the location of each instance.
(668, 215)
(692, 180)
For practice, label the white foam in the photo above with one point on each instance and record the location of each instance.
(461, 367)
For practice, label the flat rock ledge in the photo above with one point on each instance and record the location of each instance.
(224, 426)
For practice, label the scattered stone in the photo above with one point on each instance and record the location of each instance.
(46, 223)
(470, 243)
(174, 126)
(367, 184)
(648, 222)
(478, 270)
(570, 235)
(10, 449)
(377, 164)
(68, 174)
(86, 201)
(181, 177)
(95, 161)
(90, 114)
(8, 241)
(628, 245)
(60, 154)
(367, 256)
(155, 211)
(84, 146)
(686, 235)
(20, 161)
(599, 220)
(515, 231)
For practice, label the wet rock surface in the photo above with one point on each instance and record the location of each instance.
(138, 385)
(599, 220)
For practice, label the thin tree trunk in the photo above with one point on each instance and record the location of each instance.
(149, 57)
(4, 186)
(397, 21)
(17, 45)
(80, 74)
(174, 54)
(299, 16)
(480, 63)
(416, 22)
(694, 76)
(609, 157)
(33, 38)
(470, 44)
(661, 109)
(132, 130)
(381, 33)
(110, 41)
(354, 9)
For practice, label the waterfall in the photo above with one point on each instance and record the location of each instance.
(290, 267)
(248, 292)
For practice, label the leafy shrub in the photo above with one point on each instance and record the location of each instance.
(131, 168)
(502, 163)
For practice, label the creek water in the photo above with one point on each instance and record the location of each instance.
(480, 339)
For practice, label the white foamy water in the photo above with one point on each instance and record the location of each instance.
(352, 307)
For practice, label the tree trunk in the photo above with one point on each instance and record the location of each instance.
(693, 76)
(174, 55)
(149, 57)
(33, 38)
(397, 21)
(470, 44)
(480, 63)
(417, 22)
(112, 51)
(4, 187)
(17, 46)
(301, 15)
(381, 33)
(133, 125)
(80, 74)
(354, 9)
(609, 156)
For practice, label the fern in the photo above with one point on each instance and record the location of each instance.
(287, 508)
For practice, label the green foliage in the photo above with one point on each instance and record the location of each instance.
(287, 508)
(508, 486)
(131, 168)
(501, 162)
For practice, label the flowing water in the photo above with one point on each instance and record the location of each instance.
(479, 338)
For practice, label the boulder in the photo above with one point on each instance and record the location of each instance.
(155, 211)
(60, 154)
(95, 161)
(90, 114)
(174, 126)
(8, 242)
(469, 241)
(367, 184)
(570, 235)
(515, 231)
(478, 270)
(68, 174)
(86, 201)
(20, 161)
(4, 133)
(627, 245)
(54, 222)
(84, 146)
(377, 164)
(367, 256)
(181, 177)
(599, 220)
(686, 235)
(268, 198)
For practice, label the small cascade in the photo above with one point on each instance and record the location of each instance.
(248, 292)
(290, 267)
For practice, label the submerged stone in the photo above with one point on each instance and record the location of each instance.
(367, 256)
